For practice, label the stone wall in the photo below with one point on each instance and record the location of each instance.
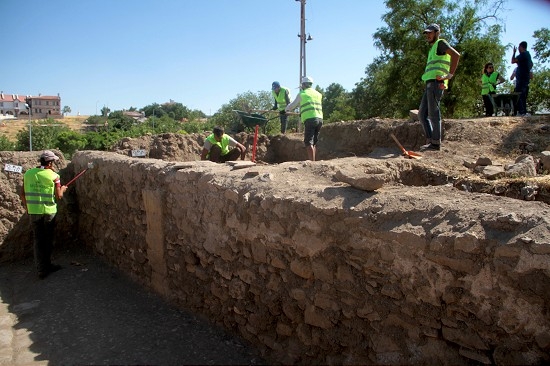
(326, 273)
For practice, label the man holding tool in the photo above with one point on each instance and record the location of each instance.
(440, 67)
(41, 188)
(310, 102)
(282, 99)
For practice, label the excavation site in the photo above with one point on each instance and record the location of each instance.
(364, 256)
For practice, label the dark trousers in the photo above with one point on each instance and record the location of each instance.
(284, 121)
(217, 157)
(43, 232)
(489, 105)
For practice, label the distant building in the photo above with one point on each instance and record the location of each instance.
(138, 116)
(45, 106)
(13, 105)
(42, 106)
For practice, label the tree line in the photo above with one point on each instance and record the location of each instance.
(390, 88)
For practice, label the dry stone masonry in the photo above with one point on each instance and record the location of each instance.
(317, 271)
(366, 258)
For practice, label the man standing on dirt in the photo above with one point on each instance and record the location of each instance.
(440, 67)
(311, 114)
(216, 147)
(282, 99)
(523, 76)
(41, 188)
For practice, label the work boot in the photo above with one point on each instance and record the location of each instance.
(432, 147)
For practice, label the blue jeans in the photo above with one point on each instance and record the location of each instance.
(429, 113)
(523, 89)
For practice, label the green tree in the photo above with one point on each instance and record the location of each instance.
(105, 111)
(6, 144)
(117, 120)
(101, 140)
(66, 109)
(69, 141)
(44, 135)
(539, 87)
(247, 102)
(542, 44)
(394, 77)
(337, 104)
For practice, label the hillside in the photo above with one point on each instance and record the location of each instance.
(10, 127)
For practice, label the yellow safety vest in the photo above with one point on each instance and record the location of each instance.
(223, 144)
(39, 191)
(436, 65)
(281, 98)
(310, 104)
(489, 83)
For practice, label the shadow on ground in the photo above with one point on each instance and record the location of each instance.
(88, 313)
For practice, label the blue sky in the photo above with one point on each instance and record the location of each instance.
(201, 53)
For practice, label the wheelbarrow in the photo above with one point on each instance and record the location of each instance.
(505, 103)
(250, 120)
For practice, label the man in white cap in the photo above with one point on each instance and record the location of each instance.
(440, 67)
(311, 114)
(41, 188)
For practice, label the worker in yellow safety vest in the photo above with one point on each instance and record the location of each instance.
(311, 114)
(281, 95)
(41, 188)
(489, 81)
(440, 68)
(217, 146)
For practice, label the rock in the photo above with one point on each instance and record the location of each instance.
(529, 192)
(483, 161)
(523, 167)
(413, 114)
(545, 161)
(358, 179)
(469, 164)
(493, 171)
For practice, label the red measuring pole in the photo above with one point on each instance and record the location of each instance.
(255, 143)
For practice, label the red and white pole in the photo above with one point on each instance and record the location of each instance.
(255, 144)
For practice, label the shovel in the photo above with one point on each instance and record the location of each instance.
(406, 153)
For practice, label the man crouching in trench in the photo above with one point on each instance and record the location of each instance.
(216, 147)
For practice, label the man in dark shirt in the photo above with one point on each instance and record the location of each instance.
(523, 76)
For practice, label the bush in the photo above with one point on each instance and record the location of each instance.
(6, 144)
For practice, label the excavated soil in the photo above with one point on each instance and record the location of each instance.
(501, 140)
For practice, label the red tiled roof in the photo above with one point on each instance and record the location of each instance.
(11, 98)
(45, 97)
(4, 97)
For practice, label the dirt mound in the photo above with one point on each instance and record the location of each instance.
(177, 147)
(499, 140)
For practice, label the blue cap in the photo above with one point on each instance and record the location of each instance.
(275, 85)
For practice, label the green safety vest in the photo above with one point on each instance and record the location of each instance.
(223, 144)
(281, 98)
(436, 65)
(489, 83)
(39, 191)
(310, 104)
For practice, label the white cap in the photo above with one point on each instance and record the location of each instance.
(307, 79)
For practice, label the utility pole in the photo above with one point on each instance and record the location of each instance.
(303, 41)
(29, 106)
